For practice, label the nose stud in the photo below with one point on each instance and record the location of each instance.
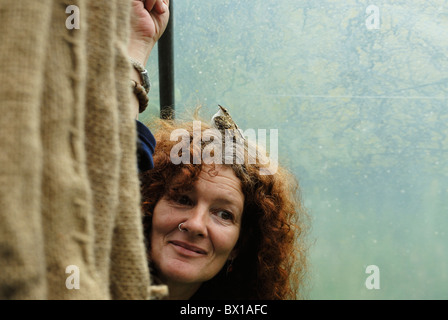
(180, 227)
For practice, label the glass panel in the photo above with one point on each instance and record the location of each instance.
(358, 93)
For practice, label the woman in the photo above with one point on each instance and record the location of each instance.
(218, 229)
(222, 231)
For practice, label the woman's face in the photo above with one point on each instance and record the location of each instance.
(211, 215)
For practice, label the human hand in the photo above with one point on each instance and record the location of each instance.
(149, 19)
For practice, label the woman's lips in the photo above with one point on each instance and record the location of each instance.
(188, 247)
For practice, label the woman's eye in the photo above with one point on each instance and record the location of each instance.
(183, 200)
(225, 215)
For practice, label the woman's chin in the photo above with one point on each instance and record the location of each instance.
(180, 272)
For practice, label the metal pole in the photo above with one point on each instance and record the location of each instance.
(166, 69)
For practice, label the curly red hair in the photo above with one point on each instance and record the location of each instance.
(271, 261)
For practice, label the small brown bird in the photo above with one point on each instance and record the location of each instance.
(223, 121)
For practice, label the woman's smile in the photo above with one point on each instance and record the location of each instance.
(184, 248)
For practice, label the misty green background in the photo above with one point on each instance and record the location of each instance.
(362, 119)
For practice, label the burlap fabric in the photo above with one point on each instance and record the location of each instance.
(69, 189)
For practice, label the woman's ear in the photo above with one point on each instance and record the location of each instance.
(230, 259)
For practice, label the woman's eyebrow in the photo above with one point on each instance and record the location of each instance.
(226, 196)
(228, 201)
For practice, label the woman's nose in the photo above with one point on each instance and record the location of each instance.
(196, 223)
